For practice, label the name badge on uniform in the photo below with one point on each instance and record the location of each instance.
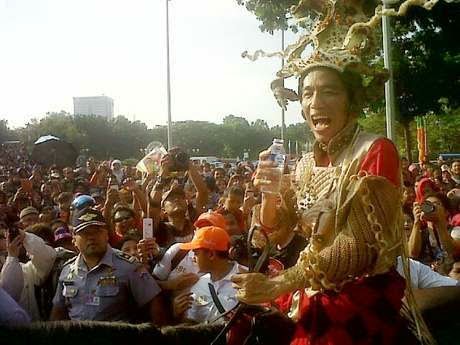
(69, 289)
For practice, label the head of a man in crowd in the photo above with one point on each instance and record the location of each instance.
(441, 207)
(234, 197)
(81, 186)
(29, 216)
(46, 215)
(437, 177)
(36, 177)
(210, 184)
(63, 237)
(22, 202)
(190, 191)
(123, 219)
(455, 169)
(90, 233)
(231, 222)
(221, 185)
(68, 173)
(206, 168)
(46, 190)
(64, 200)
(219, 173)
(126, 196)
(445, 171)
(129, 243)
(43, 231)
(116, 165)
(210, 246)
(174, 203)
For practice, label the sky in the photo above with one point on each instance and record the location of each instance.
(53, 50)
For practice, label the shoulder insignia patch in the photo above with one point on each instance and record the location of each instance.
(126, 257)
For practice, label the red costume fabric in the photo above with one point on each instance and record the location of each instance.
(366, 310)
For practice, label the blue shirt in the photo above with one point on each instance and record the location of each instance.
(11, 314)
(113, 290)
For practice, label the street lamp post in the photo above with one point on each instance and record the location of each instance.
(389, 85)
(282, 66)
(168, 76)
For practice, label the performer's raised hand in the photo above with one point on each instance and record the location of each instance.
(255, 288)
(267, 173)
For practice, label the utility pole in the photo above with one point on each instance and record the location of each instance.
(168, 77)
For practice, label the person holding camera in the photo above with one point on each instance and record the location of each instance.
(168, 193)
(430, 241)
(34, 270)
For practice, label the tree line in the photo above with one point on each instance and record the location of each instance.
(123, 139)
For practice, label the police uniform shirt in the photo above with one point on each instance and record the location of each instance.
(113, 290)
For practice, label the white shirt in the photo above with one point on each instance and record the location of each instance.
(163, 270)
(203, 308)
(11, 277)
(35, 272)
(423, 277)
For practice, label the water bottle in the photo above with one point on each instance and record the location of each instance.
(278, 156)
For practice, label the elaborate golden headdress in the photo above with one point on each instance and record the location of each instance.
(343, 38)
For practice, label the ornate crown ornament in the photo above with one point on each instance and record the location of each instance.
(343, 38)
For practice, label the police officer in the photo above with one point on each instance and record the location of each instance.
(102, 283)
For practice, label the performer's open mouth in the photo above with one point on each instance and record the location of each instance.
(321, 122)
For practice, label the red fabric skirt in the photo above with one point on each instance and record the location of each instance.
(366, 311)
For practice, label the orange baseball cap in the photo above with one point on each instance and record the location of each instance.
(209, 237)
(211, 219)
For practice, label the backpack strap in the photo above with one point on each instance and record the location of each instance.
(178, 258)
(215, 298)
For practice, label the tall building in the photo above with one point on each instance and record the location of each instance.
(97, 105)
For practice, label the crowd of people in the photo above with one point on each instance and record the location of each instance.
(74, 243)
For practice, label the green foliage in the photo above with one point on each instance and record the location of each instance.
(426, 62)
(426, 57)
(123, 139)
(272, 13)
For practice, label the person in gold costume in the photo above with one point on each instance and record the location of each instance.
(345, 197)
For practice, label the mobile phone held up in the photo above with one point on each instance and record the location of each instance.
(147, 228)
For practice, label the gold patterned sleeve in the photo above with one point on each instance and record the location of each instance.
(362, 238)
